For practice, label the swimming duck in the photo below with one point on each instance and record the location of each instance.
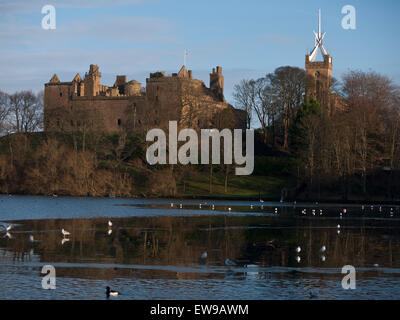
(110, 292)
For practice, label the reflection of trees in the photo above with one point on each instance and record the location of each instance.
(179, 241)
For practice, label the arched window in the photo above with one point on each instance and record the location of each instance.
(119, 122)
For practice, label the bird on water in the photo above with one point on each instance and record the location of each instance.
(112, 293)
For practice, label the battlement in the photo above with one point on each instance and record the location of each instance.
(158, 74)
(327, 63)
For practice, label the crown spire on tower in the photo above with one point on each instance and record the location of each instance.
(319, 38)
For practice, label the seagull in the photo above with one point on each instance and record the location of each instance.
(338, 226)
(109, 231)
(323, 258)
(204, 255)
(65, 232)
(230, 209)
(298, 259)
(251, 206)
(229, 262)
(109, 223)
(31, 239)
(298, 249)
(213, 207)
(172, 204)
(64, 241)
(180, 205)
(200, 206)
(261, 200)
(112, 293)
(323, 249)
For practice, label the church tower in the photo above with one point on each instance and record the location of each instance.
(319, 73)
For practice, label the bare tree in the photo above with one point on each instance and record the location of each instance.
(254, 95)
(4, 110)
(26, 111)
(371, 97)
(243, 99)
(271, 98)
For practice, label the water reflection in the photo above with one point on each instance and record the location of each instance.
(286, 248)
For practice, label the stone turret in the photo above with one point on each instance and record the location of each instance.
(217, 83)
(92, 81)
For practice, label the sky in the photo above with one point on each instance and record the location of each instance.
(135, 37)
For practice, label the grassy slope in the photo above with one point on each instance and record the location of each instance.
(245, 187)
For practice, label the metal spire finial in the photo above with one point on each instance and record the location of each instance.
(319, 37)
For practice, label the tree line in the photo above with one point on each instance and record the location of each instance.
(341, 150)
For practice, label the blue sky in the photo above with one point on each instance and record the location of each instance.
(135, 37)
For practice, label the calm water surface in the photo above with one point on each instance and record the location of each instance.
(153, 250)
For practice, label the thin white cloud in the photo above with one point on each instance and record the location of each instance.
(26, 6)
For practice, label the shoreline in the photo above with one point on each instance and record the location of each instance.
(227, 198)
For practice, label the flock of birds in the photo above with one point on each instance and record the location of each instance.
(7, 234)
(304, 212)
(228, 262)
(7, 228)
(212, 206)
